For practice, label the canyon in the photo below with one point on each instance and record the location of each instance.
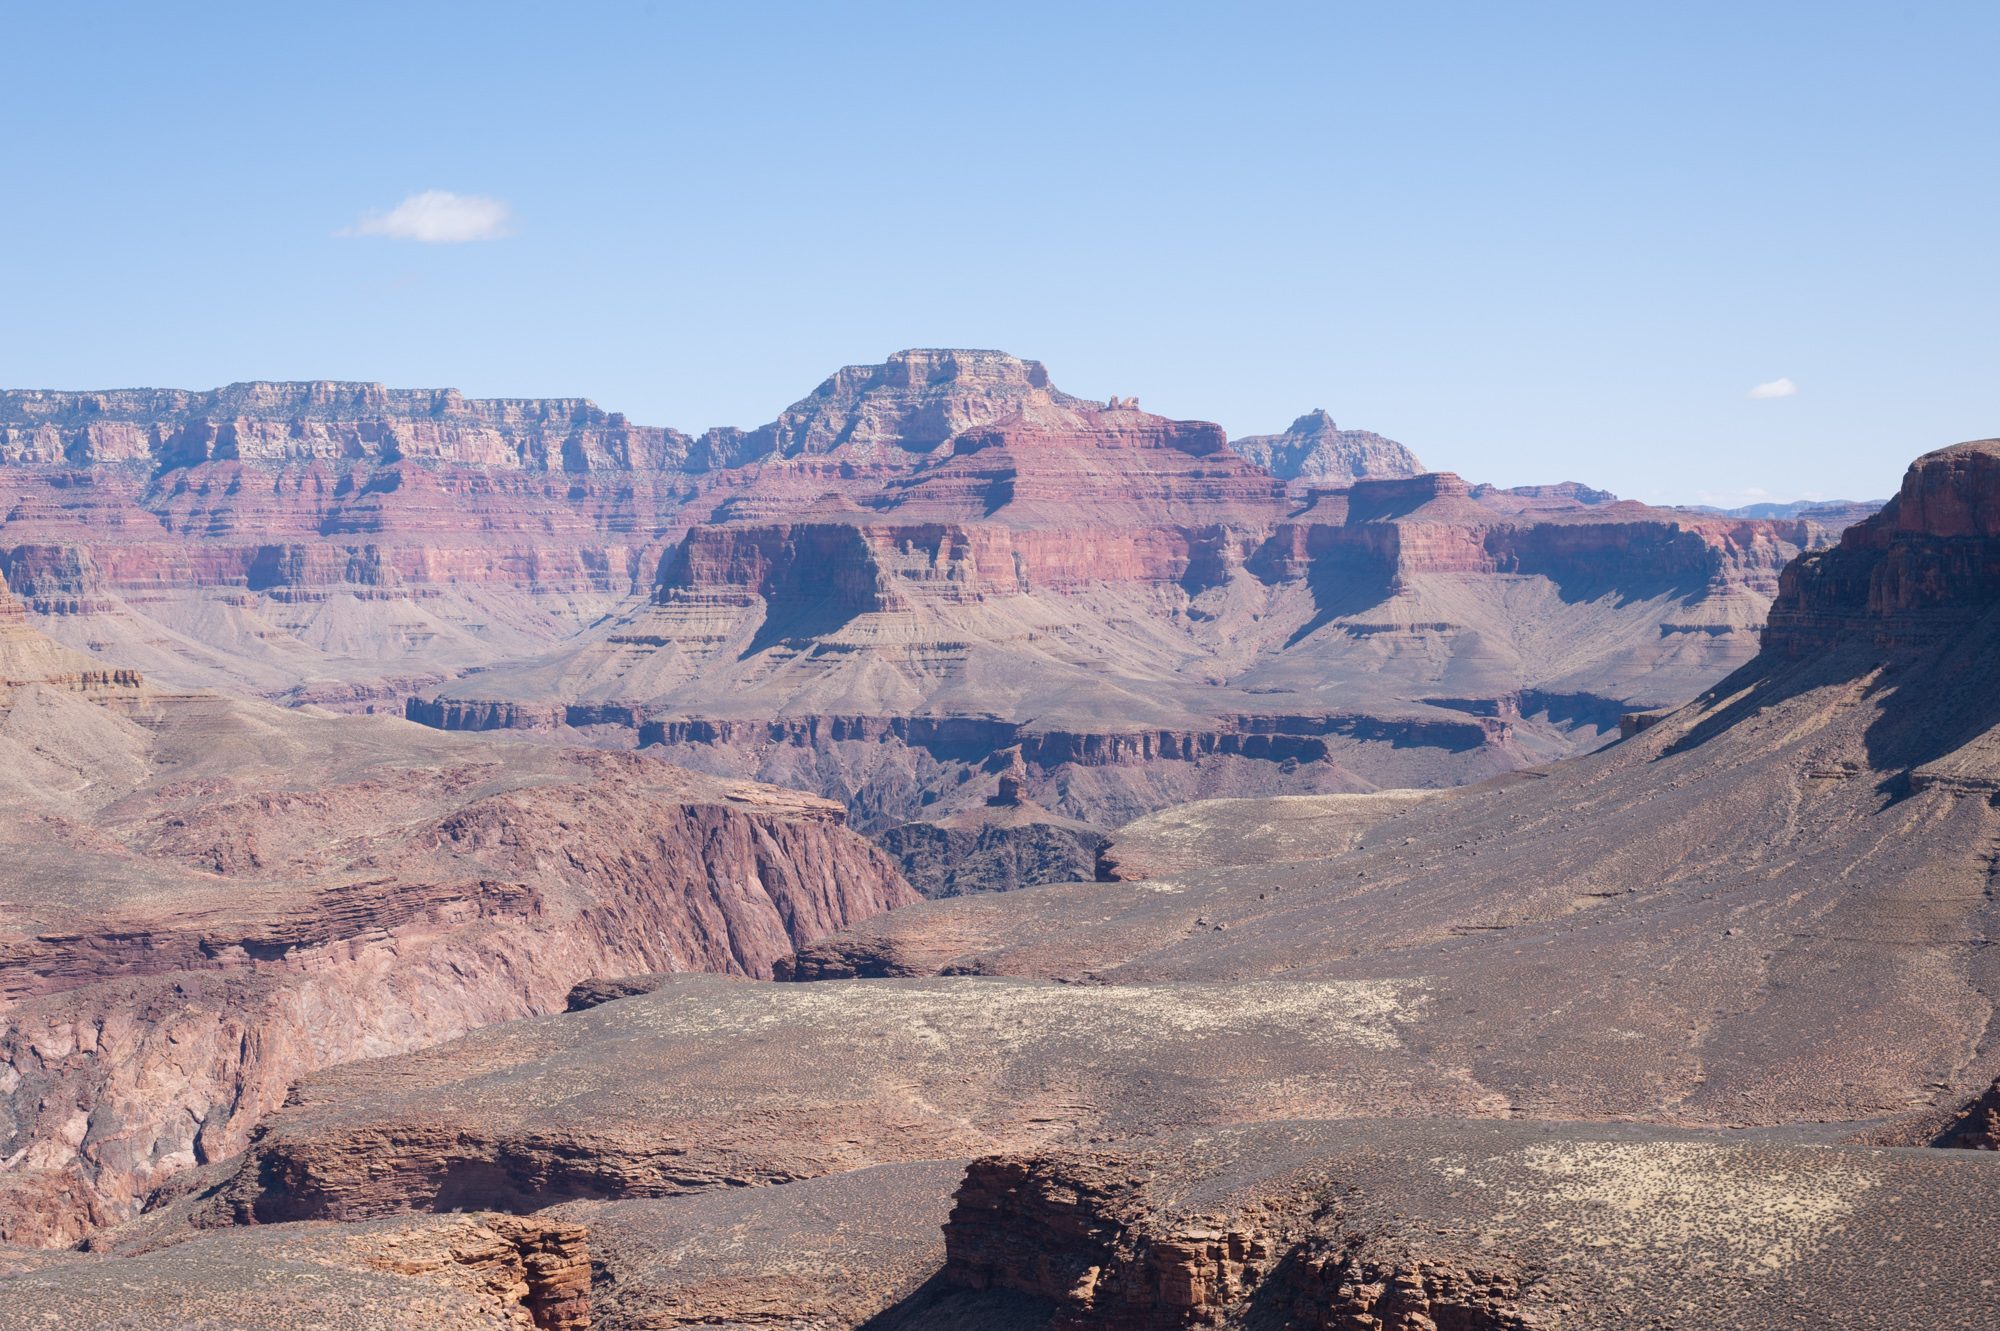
(1298, 889)
(924, 577)
(206, 897)
(1678, 1033)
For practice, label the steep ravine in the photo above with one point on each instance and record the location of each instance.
(146, 1053)
(203, 900)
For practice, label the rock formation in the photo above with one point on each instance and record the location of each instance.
(1316, 451)
(1008, 843)
(914, 570)
(1373, 1226)
(1917, 573)
(206, 898)
(893, 637)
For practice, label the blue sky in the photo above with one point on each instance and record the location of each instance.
(1534, 242)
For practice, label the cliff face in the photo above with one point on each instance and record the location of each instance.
(1373, 1226)
(1911, 574)
(942, 545)
(1095, 1240)
(370, 540)
(902, 638)
(165, 429)
(206, 899)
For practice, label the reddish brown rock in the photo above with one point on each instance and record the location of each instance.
(893, 637)
(945, 538)
(205, 899)
(1477, 1227)
(1914, 572)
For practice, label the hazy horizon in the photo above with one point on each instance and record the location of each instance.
(1698, 256)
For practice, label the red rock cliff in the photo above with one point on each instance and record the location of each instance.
(1911, 573)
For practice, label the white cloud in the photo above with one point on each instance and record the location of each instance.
(438, 217)
(1776, 388)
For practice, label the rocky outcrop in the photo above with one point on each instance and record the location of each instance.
(587, 994)
(1355, 1228)
(449, 1273)
(946, 861)
(1316, 451)
(913, 402)
(1912, 574)
(1976, 1127)
(1087, 1236)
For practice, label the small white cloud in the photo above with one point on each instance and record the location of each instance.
(438, 217)
(1776, 388)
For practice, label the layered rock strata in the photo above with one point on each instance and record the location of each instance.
(945, 540)
(1749, 934)
(1655, 930)
(897, 640)
(1911, 575)
(205, 899)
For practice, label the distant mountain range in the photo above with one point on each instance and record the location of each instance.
(1832, 510)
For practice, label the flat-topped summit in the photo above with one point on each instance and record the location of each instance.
(1313, 448)
(913, 401)
(265, 399)
(279, 423)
